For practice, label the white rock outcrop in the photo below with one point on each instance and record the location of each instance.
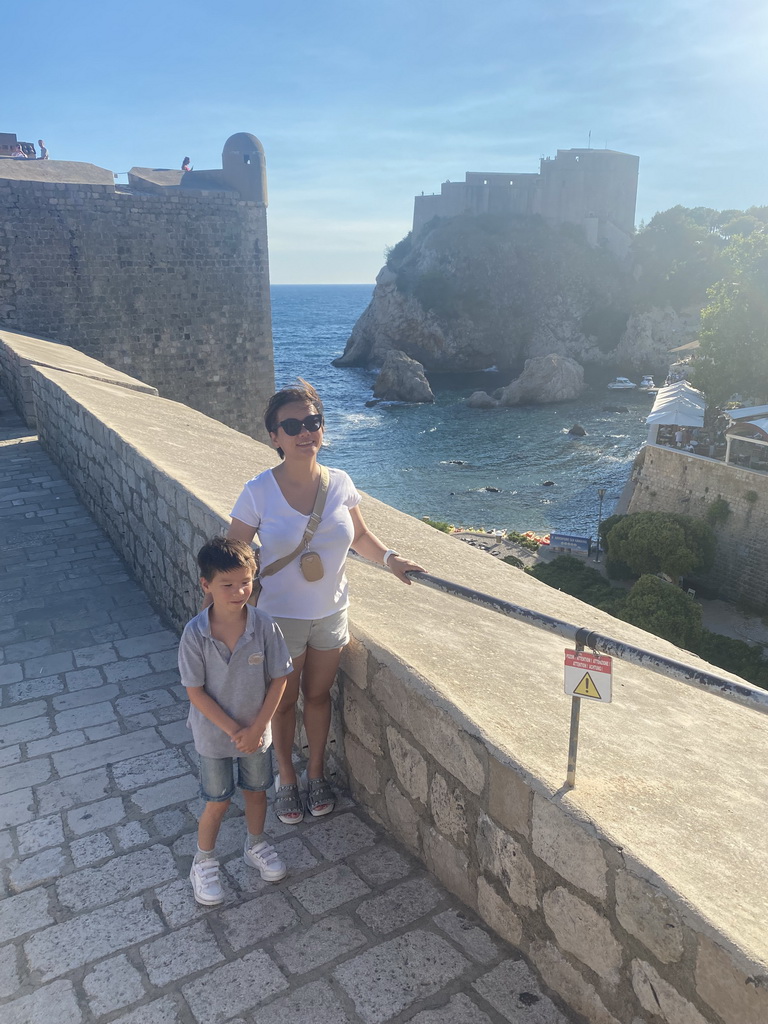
(402, 379)
(551, 378)
(645, 344)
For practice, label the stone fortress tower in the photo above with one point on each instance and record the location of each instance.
(165, 279)
(594, 188)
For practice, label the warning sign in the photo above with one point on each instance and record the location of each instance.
(588, 675)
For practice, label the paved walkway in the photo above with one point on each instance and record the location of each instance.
(98, 814)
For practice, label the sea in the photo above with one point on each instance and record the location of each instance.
(445, 461)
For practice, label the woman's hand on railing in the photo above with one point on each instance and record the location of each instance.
(399, 566)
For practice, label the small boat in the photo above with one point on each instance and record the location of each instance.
(621, 384)
(646, 384)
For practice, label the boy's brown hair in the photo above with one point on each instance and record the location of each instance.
(220, 554)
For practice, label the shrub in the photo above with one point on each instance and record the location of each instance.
(523, 541)
(573, 577)
(654, 542)
(734, 656)
(665, 610)
(718, 511)
(395, 254)
(437, 525)
(513, 560)
(751, 497)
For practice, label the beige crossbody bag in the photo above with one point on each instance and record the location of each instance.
(309, 563)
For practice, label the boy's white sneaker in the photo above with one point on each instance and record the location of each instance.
(265, 859)
(204, 877)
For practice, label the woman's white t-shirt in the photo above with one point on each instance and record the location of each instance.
(280, 528)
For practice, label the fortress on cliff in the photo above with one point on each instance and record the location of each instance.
(593, 188)
(165, 279)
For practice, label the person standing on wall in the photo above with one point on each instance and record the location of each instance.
(43, 150)
(304, 584)
(185, 165)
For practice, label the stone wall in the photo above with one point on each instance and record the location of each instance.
(613, 941)
(639, 896)
(669, 480)
(171, 288)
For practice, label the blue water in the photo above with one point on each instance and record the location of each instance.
(402, 453)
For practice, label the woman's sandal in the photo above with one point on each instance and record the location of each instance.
(320, 798)
(288, 805)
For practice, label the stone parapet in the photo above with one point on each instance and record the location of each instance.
(20, 351)
(639, 895)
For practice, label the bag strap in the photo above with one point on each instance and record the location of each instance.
(312, 525)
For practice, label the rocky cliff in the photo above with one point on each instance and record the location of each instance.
(473, 292)
(650, 334)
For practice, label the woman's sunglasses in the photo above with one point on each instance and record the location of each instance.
(292, 426)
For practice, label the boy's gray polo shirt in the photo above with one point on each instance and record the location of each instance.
(237, 681)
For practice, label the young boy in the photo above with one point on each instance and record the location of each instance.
(234, 663)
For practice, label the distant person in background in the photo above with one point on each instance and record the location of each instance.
(186, 166)
(43, 150)
(18, 153)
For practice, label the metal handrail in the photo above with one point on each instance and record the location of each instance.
(739, 693)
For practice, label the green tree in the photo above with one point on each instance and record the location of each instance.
(665, 610)
(653, 542)
(734, 326)
(677, 256)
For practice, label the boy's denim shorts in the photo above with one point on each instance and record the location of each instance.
(326, 634)
(217, 775)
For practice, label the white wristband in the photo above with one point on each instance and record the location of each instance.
(388, 554)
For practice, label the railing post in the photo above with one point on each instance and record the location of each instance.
(573, 740)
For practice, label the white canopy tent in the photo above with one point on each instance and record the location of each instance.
(752, 412)
(678, 405)
(750, 426)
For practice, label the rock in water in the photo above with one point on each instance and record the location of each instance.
(577, 430)
(481, 400)
(551, 378)
(402, 379)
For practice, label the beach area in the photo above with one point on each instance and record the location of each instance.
(497, 545)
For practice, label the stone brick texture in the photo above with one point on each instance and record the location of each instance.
(604, 938)
(673, 481)
(172, 289)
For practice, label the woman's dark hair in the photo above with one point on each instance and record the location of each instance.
(301, 392)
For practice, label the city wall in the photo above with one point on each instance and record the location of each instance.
(165, 282)
(667, 480)
(639, 896)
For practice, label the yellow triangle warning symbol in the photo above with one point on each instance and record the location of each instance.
(587, 688)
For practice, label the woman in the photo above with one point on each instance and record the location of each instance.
(312, 613)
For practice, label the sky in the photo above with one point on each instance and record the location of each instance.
(361, 106)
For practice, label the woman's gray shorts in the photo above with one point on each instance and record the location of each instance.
(326, 634)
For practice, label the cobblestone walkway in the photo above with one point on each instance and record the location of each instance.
(97, 829)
